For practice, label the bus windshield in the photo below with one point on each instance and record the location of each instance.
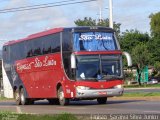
(94, 41)
(98, 67)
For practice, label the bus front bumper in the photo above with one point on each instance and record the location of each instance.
(95, 93)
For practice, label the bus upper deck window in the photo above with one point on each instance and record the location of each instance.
(4, 49)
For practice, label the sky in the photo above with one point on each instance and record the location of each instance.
(132, 14)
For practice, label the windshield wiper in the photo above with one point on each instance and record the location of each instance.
(105, 77)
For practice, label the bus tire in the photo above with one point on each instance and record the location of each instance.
(24, 100)
(17, 97)
(62, 100)
(102, 100)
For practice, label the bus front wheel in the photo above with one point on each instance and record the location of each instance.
(62, 100)
(102, 100)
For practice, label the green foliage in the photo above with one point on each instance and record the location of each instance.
(141, 55)
(156, 71)
(141, 58)
(130, 39)
(154, 44)
(3, 98)
(157, 65)
(129, 76)
(155, 25)
(154, 48)
(88, 21)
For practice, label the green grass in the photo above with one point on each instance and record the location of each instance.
(141, 94)
(3, 98)
(9, 115)
(143, 86)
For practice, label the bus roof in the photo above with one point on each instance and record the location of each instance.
(56, 30)
(36, 35)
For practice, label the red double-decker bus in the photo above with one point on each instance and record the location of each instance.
(64, 64)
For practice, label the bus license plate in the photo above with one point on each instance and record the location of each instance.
(102, 93)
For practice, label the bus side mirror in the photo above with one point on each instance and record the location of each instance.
(128, 57)
(73, 61)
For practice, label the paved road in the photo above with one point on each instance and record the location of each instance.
(87, 107)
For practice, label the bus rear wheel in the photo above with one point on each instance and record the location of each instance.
(62, 100)
(23, 99)
(102, 100)
(17, 97)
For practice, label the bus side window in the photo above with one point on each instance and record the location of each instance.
(4, 49)
(5, 53)
(37, 46)
(52, 45)
(46, 45)
(37, 51)
(47, 50)
(28, 49)
(30, 53)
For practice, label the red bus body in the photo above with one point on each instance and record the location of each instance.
(41, 76)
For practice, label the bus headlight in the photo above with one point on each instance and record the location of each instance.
(82, 88)
(118, 86)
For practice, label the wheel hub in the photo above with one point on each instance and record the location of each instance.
(61, 96)
(17, 96)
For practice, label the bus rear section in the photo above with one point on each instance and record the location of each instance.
(65, 64)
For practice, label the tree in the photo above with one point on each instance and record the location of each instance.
(130, 38)
(154, 44)
(155, 25)
(85, 22)
(88, 21)
(141, 57)
(154, 48)
(156, 70)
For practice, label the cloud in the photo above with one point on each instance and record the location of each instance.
(133, 14)
(95, 5)
(127, 4)
(20, 24)
(16, 3)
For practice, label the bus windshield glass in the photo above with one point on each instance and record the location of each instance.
(94, 41)
(98, 67)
